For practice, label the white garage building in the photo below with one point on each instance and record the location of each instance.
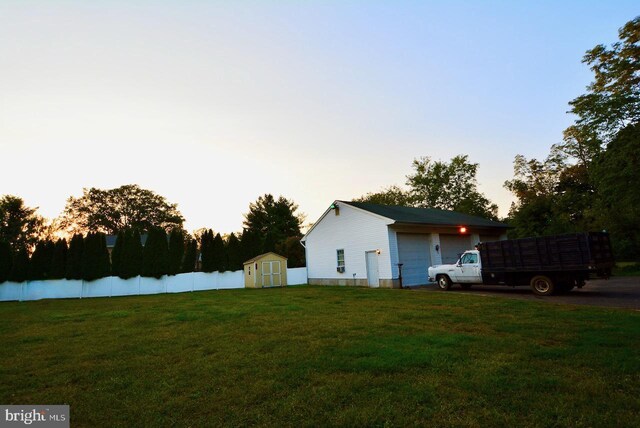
(356, 243)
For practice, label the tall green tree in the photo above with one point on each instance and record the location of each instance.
(273, 220)
(392, 195)
(534, 186)
(20, 265)
(41, 260)
(449, 186)
(612, 101)
(437, 184)
(207, 251)
(75, 257)
(219, 254)
(617, 178)
(234, 253)
(176, 251)
(250, 245)
(6, 259)
(59, 260)
(105, 259)
(155, 257)
(131, 262)
(95, 257)
(190, 256)
(112, 210)
(117, 254)
(293, 250)
(551, 197)
(20, 226)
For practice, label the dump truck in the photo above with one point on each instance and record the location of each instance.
(548, 264)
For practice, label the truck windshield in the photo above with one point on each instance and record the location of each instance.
(469, 258)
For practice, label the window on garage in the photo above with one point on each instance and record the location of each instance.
(340, 257)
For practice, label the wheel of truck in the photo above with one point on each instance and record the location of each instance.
(465, 286)
(443, 282)
(542, 285)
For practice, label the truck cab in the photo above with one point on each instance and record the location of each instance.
(466, 271)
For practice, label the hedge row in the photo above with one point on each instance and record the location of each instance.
(87, 257)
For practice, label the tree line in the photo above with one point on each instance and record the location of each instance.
(438, 184)
(150, 240)
(88, 258)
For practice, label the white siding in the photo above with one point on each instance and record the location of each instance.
(354, 230)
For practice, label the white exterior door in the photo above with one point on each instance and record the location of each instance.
(271, 274)
(372, 269)
(413, 253)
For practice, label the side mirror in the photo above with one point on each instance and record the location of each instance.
(459, 264)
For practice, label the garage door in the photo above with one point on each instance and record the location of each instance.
(413, 253)
(451, 246)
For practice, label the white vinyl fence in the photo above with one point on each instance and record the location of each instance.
(115, 286)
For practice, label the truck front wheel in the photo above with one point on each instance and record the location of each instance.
(443, 282)
(542, 285)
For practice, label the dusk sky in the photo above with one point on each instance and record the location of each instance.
(214, 103)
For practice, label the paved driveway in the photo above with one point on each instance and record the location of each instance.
(622, 292)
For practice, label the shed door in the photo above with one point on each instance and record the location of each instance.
(271, 274)
(451, 246)
(275, 273)
(372, 269)
(413, 253)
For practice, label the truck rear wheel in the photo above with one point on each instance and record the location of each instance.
(542, 285)
(443, 282)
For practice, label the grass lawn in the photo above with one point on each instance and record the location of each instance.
(309, 356)
(626, 269)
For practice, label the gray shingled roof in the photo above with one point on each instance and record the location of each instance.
(431, 216)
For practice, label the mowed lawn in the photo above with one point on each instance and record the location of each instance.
(309, 356)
